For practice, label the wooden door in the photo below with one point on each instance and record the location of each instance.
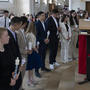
(88, 7)
(51, 7)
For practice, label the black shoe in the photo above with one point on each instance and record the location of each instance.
(83, 82)
(46, 69)
(38, 74)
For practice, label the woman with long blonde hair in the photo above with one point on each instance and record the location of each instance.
(34, 60)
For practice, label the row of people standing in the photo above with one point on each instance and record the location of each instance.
(11, 50)
(69, 37)
(37, 33)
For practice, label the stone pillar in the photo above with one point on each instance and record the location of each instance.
(70, 4)
(22, 6)
(32, 7)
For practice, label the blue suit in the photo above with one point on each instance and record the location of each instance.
(41, 36)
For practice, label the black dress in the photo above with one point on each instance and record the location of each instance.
(5, 74)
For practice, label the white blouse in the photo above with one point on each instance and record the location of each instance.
(31, 38)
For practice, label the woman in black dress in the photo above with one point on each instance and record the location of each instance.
(6, 81)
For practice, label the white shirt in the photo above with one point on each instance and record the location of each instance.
(43, 25)
(31, 38)
(22, 30)
(2, 22)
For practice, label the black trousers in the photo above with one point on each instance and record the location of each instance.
(53, 46)
(42, 52)
(18, 83)
(5, 88)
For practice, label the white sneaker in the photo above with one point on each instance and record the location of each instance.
(30, 84)
(56, 64)
(65, 62)
(70, 59)
(51, 66)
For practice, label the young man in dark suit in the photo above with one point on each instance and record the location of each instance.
(53, 26)
(42, 38)
(14, 48)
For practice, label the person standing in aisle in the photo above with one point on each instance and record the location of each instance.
(6, 77)
(65, 38)
(73, 53)
(53, 26)
(42, 38)
(13, 48)
(4, 21)
(22, 42)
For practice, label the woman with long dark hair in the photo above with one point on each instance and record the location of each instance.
(65, 38)
(73, 53)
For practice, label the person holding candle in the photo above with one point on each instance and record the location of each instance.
(34, 61)
(13, 48)
(42, 38)
(6, 78)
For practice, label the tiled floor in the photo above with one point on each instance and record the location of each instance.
(80, 77)
(64, 77)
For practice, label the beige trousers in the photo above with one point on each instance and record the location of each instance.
(73, 51)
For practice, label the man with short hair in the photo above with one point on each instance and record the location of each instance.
(13, 48)
(53, 26)
(4, 21)
(22, 42)
(42, 38)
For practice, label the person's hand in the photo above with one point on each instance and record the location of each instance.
(38, 47)
(26, 51)
(29, 52)
(16, 78)
(59, 29)
(13, 82)
(68, 38)
(35, 49)
(21, 68)
(46, 41)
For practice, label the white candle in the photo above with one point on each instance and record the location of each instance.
(38, 43)
(17, 61)
(48, 33)
(30, 45)
(16, 66)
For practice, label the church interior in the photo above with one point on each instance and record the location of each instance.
(67, 75)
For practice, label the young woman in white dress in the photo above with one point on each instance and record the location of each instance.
(65, 38)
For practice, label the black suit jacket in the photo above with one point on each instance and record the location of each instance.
(41, 33)
(51, 26)
(13, 49)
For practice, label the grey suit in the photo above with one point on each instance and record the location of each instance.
(22, 42)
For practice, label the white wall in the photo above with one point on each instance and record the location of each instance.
(17, 6)
(8, 6)
(43, 6)
(24, 6)
(78, 4)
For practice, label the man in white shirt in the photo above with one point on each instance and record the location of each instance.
(4, 21)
